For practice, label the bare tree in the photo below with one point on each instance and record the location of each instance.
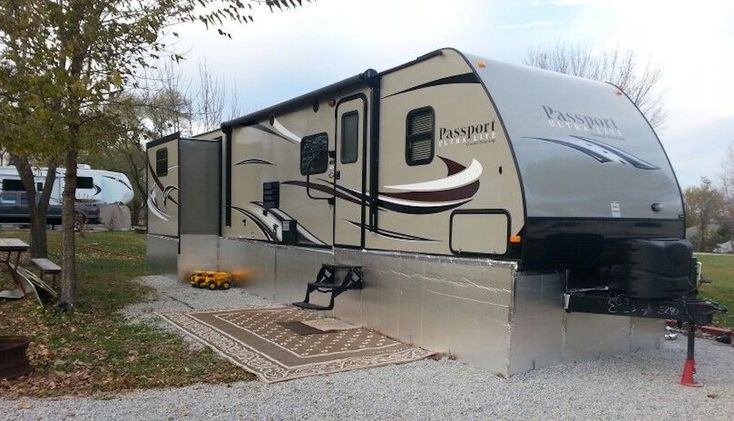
(641, 82)
(167, 101)
(234, 103)
(209, 100)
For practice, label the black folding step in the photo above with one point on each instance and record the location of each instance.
(327, 281)
(312, 306)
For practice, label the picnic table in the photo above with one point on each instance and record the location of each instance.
(11, 249)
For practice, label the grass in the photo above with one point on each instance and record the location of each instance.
(92, 350)
(720, 270)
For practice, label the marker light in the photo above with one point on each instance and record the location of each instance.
(481, 64)
(515, 239)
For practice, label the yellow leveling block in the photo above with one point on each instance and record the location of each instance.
(211, 280)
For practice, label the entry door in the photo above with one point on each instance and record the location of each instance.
(349, 177)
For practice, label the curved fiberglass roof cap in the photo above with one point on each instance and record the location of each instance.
(582, 147)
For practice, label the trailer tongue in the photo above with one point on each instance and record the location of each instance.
(657, 279)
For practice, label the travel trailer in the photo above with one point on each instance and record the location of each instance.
(93, 186)
(510, 216)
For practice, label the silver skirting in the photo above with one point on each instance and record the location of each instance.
(161, 253)
(480, 311)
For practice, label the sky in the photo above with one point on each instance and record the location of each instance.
(283, 55)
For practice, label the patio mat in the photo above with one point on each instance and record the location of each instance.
(257, 340)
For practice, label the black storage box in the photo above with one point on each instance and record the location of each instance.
(660, 268)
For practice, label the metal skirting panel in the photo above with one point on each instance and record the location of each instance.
(294, 268)
(198, 252)
(453, 305)
(161, 253)
(544, 334)
(252, 260)
(481, 311)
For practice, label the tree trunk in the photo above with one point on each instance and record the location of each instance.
(68, 273)
(37, 203)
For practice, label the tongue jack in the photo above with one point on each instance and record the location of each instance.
(689, 368)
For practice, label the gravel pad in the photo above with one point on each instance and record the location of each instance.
(642, 385)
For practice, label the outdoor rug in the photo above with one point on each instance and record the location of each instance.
(262, 341)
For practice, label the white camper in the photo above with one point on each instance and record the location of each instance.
(93, 186)
(476, 207)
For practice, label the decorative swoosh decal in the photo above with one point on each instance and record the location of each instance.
(460, 179)
(458, 188)
(167, 191)
(119, 181)
(629, 158)
(155, 208)
(394, 235)
(254, 161)
(283, 131)
(600, 151)
(304, 235)
(266, 230)
(271, 223)
(462, 78)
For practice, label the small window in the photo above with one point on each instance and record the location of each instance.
(8, 198)
(350, 137)
(419, 136)
(12, 185)
(161, 162)
(314, 154)
(39, 186)
(84, 183)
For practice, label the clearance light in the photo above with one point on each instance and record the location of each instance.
(515, 239)
(618, 93)
(332, 102)
(481, 64)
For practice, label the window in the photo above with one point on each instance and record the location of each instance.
(39, 186)
(84, 183)
(12, 185)
(314, 154)
(8, 198)
(350, 137)
(419, 136)
(161, 162)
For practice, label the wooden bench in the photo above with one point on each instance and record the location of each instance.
(47, 267)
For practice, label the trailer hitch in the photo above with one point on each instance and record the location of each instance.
(689, 310)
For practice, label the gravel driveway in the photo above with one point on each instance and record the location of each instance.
(637, 386)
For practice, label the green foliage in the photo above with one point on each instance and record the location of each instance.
(94, 350)
(720, 270)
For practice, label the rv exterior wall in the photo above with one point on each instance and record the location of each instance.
(470, 169)
(163, 189)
